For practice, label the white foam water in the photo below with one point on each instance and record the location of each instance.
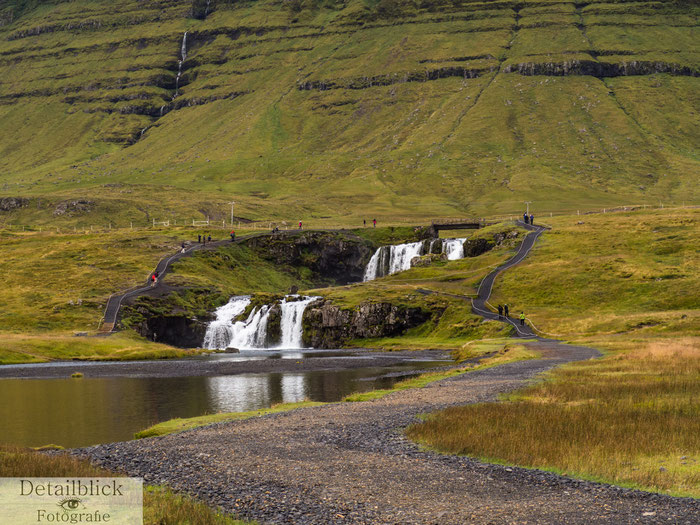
(251, 334)
(397, 258)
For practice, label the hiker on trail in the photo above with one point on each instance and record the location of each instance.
(525, 217)
(233, 235)
(374, 222)
(364, 223)
(209, 238)
(199, 238)
(154, 279)
(505, 309)
(300, 225)
(183, 247)
(522, 318)
(532, 219)
(500, 311)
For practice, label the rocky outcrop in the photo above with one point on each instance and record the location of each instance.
(334, 258)
(173, 329)
(326, 325)
(75, 207)
(601, 69)
(427, 260)
(475, 247)
(13, 203)
(422, 75)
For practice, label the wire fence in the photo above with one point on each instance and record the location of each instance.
(199, 225)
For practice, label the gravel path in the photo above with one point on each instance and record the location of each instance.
(349, 462)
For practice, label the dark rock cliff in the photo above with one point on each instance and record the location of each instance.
(326, 325)
(332, 258)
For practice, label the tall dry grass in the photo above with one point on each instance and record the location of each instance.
(632, 418)
(160, 505)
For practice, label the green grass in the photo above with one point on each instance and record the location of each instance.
(161, 506)
(180, 424)
(74, 104)
(631, 419)
(41, 348)
(502, 354)
(623, 273)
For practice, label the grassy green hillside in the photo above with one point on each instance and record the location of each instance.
(307, 109)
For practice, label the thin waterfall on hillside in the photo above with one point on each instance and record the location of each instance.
(251, 334)
(397, 258)
(206, 10)
(183, 56)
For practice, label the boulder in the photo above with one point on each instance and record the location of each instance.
(74, 207)
(13, 203)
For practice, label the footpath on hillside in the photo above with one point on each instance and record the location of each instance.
(114, 303)
(350, 463)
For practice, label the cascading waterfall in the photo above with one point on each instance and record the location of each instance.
(292, 313)
(183, 56)
(396, 258)
(252, 334)
(206, 10)
(453, 248)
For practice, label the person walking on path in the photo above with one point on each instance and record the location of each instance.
(505, 309)
(500, 312)
(525, 217)
(522, 318)
(209, 238)
(374, 223)
(233, 235)
(532, 219)
(300, 225)
(364, 223)
(199, 238)
(154, 279)
(183, 247)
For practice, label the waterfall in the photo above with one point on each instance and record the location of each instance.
(252, 334)
(219, 332)
(397, 258)
(292, 313)
(183, 56)
(162, 108)
(454, 248)
(206, 11)
(183, 47)
(391, 259)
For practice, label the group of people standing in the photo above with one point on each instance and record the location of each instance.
(503, 312)
(528, 219)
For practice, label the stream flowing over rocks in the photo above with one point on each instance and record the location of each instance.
(396, 258)
(277, 325)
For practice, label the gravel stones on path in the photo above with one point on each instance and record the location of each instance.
(349, 463)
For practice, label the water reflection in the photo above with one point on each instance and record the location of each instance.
(80, 412)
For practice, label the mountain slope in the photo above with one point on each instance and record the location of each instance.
(348, 109)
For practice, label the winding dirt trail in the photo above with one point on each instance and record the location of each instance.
(349, 462)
